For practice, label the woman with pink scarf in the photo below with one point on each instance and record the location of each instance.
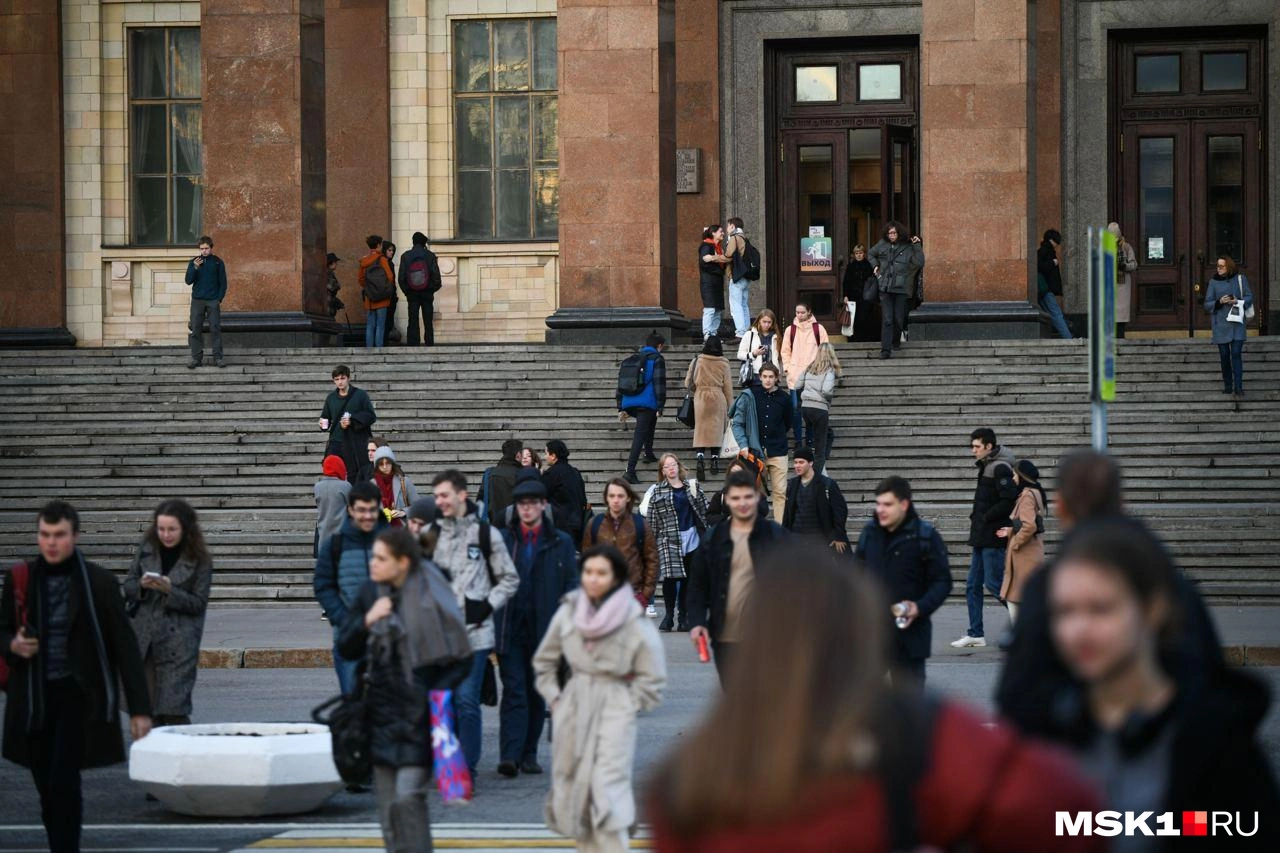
(616, 669)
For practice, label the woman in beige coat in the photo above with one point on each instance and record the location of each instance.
(711, 383)
(1025, 553)
(1126, 263)
(617, 669)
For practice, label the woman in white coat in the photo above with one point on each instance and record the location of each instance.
(761, 345)
(616, 669)
(1126, 264)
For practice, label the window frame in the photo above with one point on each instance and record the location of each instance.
(169, 102)
(531, 97)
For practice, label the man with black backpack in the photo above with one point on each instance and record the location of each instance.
(744, 268)
(642, 393)
(907, 555)
(420, 281)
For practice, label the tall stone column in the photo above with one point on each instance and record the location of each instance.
(264, 141)
(617, 172)
(978, 193)
(33, 292)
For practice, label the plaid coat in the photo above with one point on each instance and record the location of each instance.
(660, 511)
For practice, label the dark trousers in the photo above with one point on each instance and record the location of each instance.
(57, 752)
(893, 317)
(722, 654)
(908, 674)
(523, 712)
(815, 421)
(1231, 357)
(421, 303)
(674, 594)
(391, 318)
(642, 439)
(200, 308)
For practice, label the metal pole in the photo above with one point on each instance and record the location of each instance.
(1100, 427)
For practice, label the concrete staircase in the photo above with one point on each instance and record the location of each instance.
(115, 431)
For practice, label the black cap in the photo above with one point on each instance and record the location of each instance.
(331, 258)
(804, 453)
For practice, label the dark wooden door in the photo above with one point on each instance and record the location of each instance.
(814, 219)
(1157, 220)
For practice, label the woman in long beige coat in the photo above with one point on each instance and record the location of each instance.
(1126, 263)
(1025, 553)
(711, 383)
(617, 669)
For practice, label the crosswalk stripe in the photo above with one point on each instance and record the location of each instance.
(471, 837)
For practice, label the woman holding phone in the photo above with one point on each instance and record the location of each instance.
(1227, 288)
(166, 593)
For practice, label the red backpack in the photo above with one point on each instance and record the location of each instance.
(19, 575)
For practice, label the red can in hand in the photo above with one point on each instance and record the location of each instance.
(704, 654)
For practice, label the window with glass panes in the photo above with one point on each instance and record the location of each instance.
(165, 156)
(506, 129)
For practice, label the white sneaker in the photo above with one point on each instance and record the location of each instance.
(967, 642)
(651, 612)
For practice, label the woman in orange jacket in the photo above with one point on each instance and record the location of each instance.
(373, 286)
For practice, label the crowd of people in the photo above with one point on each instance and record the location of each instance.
(823, 734)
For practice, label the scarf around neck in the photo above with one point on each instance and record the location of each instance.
(595, 623)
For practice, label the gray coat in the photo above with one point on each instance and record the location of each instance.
(816, 389)
(169, 627)
(331, 508)
(898, 262)
(458, 553)
(1224, 331)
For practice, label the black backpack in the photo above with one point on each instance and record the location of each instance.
(631, 373)
(746, 264)
(377, 286)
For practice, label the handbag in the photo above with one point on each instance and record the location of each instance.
(489, 685)
(1248, 312)
(871, 289)
(348, 724)
(685, 413)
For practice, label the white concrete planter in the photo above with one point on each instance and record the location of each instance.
(237, 769)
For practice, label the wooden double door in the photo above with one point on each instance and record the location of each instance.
(1191, 183)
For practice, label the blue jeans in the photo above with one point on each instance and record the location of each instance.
(739, 308)
(523, 711)
(1050, 304)
(1232, 357)
(986, 568)
(466, 707)
(375, 328)
(710, 321)
(346, 669)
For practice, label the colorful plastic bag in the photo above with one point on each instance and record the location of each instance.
(452, 776)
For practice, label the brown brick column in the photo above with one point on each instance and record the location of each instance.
(1048, 127)
(698, 126)
(264, 140)
(976, 118)
(33, 295)
(358, 136)
(617, 171)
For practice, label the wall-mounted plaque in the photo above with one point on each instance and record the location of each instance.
(688, 170)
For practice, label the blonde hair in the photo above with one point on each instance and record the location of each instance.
(825, 360)
(860, 248)
(662, 463)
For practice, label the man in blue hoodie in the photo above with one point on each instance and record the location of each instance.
(342, 567)
(208, 275)
(645, 404)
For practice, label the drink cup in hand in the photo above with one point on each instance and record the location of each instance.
(346, 419)
(324, 423)
(900, 611)
(704, 654)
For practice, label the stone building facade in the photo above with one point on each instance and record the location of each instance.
(564, 156)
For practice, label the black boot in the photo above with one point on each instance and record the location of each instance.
(668, 606)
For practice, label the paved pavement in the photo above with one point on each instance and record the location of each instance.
(296, 636)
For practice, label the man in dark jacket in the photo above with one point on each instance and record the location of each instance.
(897, 260)
(1049, 282)
(69, 647)
(907, 555)
(815, 505)
(720, 584)
(208, 276)
(993, 500)
(566, 491)
(774, 416)
(646, 404)
(498, 482)
(546, 562)
(348, 417)
(342, 567)
(419, 276)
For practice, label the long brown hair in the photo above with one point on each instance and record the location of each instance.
(811, 666)
(193, 545)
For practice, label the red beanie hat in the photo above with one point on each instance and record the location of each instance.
(335, 467)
